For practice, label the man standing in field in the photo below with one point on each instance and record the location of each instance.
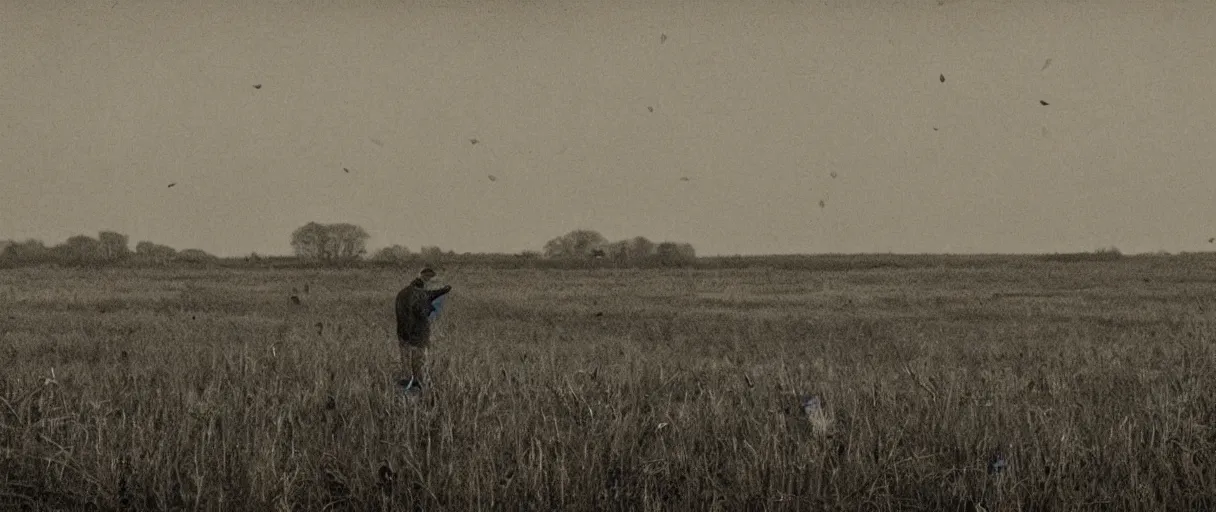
(414, 307)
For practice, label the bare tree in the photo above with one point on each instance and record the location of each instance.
(329, 242)
(29, 251)
(631, 250)
(154, 253)
(576, 244)
(432, 254)
(640, 248)
(310, 241)
(394, 253)
(688, 252)
(675, 254)
(78, 249)
(617, 251)
(349, 241)
(194, 256)
(112, 245)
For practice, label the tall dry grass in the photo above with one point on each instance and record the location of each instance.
(613, 390)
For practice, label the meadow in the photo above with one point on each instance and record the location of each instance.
(615, 389)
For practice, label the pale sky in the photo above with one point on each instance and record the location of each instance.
(104, 103)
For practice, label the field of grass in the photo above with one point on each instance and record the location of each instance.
(208, 389)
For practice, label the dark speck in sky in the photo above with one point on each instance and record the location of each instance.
(493, 178)
(942, 78)
(821, 203)
(473, 141)
(345, 169)
(833, 174)
(1044, 103)
(662, 38)
(172, 184)
(257, 86)
(650, 109)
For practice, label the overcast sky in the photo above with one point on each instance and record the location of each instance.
(103, 104)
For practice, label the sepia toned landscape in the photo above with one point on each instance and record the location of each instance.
(1075, 382)
(818, 255)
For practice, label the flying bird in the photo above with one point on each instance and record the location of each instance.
(934, 128)
(172, 184)
(650, 109)
(821, 204)
(832, 174)
(1212, 240)
(473, 141)
(1045, 64)
(377, 142)
(685, 178)
(662, 38)
(1043, 103)
(942, 78)
(493, 178)
(257, 86)
(345, 169)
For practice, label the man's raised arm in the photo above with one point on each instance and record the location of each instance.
(435, 294)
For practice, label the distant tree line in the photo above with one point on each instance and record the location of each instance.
(347, 243)
(319, 244)
(108, 248)
(329, 243)
(585, 244)
(400, 254)
(315, 243)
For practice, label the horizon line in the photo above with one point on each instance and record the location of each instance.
(1107, 249)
